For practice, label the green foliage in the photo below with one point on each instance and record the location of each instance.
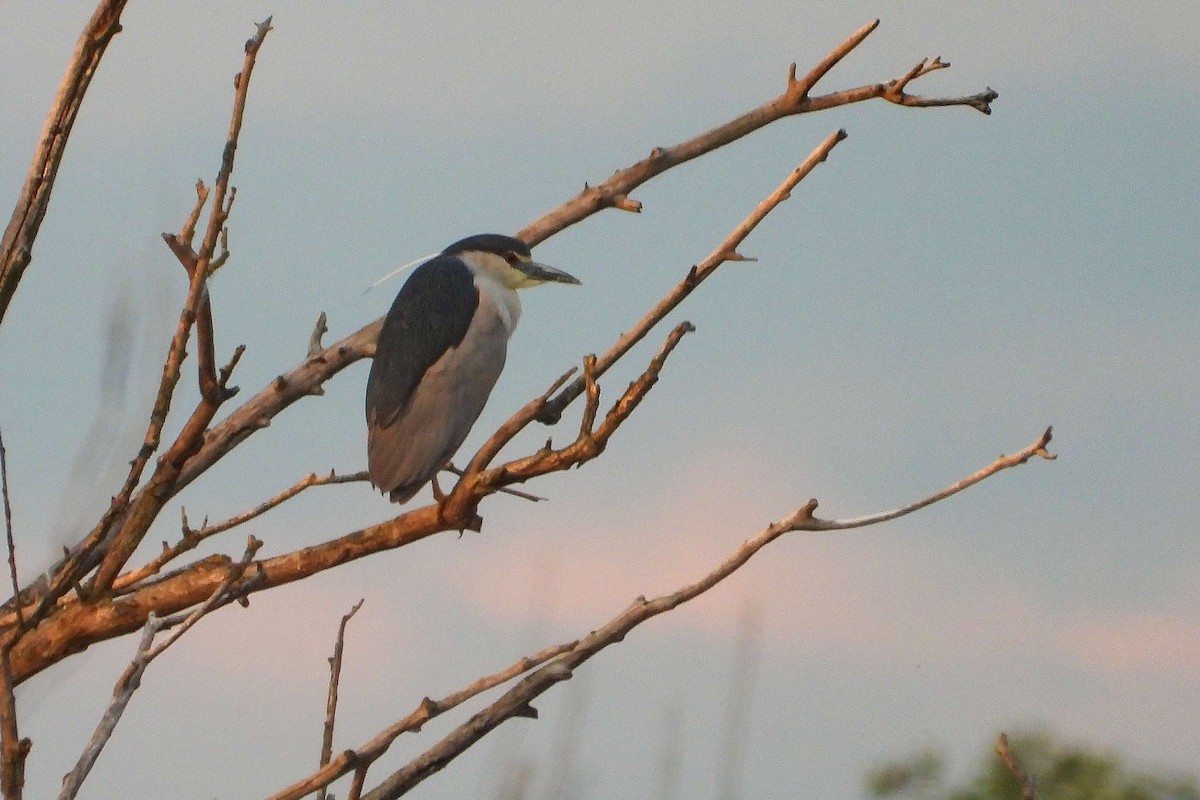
(1060, 772)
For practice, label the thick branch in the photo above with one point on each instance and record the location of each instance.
(77, 625)
(16, 250)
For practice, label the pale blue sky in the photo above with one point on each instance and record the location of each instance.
(939, 291)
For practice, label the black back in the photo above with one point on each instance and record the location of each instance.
(429, 316)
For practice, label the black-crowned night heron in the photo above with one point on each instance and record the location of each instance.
(439, 354)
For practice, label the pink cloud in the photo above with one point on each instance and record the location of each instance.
(1138, 643)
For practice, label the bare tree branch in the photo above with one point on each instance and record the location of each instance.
(307, 378)
(517, 699)
(146, 506)
(1038, 448)
(16, 250)
(128, 516)
(8, 531)
(13, 749)
(77, 623)
(76, 628)
(794, 100)
(335, 674)
(348, 760)
(131, 678)
(1028, 787)
(194, 536)
(549, 410)
(725, 251)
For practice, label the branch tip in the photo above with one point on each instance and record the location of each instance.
(314, 339)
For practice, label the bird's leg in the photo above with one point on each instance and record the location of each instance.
(438, 494)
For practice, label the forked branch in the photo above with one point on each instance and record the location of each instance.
(725, 251)
(796, 99)
(147, 651)
(362, 757)
(516, 701)
(145, 508)
(307, 378)
(191, 537)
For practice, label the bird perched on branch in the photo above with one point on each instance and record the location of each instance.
(439, 354)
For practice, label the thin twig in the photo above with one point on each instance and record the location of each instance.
(194, 536)
(1037, 448)
(1028, 787)
(131, 678)
(335, 674)
(16, 249)
(308, 481)
(8, 531)
(533, 498)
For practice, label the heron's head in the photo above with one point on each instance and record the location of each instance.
(508, 260)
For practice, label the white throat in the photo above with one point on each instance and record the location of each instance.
(491, 279)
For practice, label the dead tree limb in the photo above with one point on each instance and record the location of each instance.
(516, 701)
(335, 675)
(307, 378)
(147, 651)
(16, 250)
(145, 507)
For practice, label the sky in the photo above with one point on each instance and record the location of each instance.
(938, 292)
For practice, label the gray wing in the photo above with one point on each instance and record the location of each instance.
(421, 400)
(429, 316)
